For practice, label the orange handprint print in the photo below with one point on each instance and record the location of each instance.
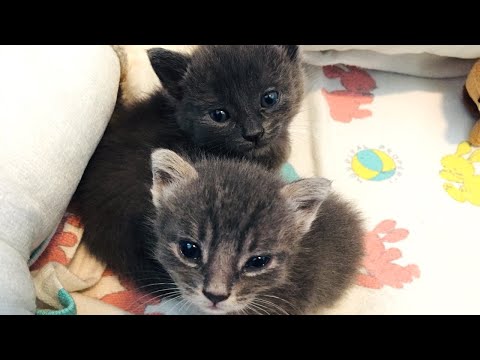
(62, 240)
(355, 79)
(129, 299)
(345, 104)
(380, 270)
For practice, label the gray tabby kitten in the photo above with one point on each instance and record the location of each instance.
(236, 239)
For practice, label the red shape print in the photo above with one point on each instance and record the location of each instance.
(130, 300)
(378, 260)
(355, 79)
(345, 104)
(54, 252)
(74, 221)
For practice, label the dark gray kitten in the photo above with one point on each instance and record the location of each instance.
(236, 239)
(235, 100)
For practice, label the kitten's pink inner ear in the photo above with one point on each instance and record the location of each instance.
(169, 170)
(305, 198)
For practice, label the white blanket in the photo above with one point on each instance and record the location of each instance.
(394, 144)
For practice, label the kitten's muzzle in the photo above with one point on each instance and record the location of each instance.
(254, 134)
(215, 298)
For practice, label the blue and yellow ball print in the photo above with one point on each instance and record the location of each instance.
(373, 165)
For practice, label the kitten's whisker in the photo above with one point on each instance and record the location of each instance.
(152, 278)
(262, 306)
(258, 306)
(142, 303)
(158, 276)
(189, 306)
(156, 284)
(180, 306)
(150, 301)
(159, 297)
(140, 272)
(275, 306)
(162, 289)
(162, 297)
(249, 307)
(254, 307)
(170, 299)
(172, 310)
(147, 295)
(281, 299)
(168, 296)
(127, 275)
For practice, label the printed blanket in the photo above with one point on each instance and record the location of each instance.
(394, 144)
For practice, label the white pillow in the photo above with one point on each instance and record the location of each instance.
(55, 102)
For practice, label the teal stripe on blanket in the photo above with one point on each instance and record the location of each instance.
(288, 173)
(66, 300)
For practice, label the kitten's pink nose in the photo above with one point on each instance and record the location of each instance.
(215, 298)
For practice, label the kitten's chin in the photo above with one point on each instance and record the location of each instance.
(254, 150)
(220, 309)
(223, 308)
(214, 311)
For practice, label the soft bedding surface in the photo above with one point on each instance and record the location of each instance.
(394, 144)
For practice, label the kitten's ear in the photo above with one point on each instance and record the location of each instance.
(306, 196)
(169, 170)
(292, 51)
(170, 67)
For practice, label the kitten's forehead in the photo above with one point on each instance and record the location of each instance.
(238, 56)
(233, 202)
(222, 66)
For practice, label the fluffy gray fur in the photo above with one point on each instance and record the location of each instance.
(237, 210)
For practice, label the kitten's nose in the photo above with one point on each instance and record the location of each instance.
(253, 135)
(215, 298)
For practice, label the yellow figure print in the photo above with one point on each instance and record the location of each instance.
(461, 170)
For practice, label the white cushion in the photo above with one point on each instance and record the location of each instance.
(56, 102)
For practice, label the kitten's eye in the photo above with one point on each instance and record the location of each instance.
(190, 250)
(270, 98)
(219, 115)
(257, 262)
